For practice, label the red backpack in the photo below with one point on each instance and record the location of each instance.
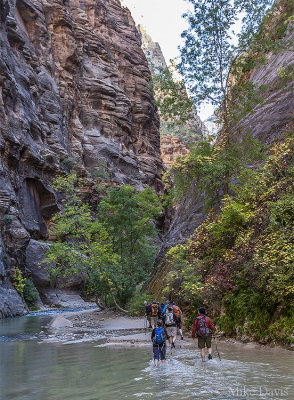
(202, 328)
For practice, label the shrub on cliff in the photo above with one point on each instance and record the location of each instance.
(30, 293)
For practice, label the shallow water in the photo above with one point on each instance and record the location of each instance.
(30, 370)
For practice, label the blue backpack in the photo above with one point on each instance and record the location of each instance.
(159, 336)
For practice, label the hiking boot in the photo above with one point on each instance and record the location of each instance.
(182, 338)
(209, 356)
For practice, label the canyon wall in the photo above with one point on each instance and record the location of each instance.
(268, 121)
(73, 91)
(274, 85)
(174, 137)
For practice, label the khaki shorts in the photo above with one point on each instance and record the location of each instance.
(171, 330)
(154, 320)
(202, 341)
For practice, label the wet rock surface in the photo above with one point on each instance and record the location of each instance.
(73, 91)
(108, 327)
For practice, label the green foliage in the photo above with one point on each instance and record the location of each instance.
(113, 247)
(210, 53)
(286, 74)
(68, 163)
(176, 107)
(183, 282)
(18, 281)
(274, 259)
(215, 59)
(136, 305)
(30, 293)
(101, 171)
(282, 212)
(210, 169)
(128, 217)
(247, 313)
(250, 95)
(234, 217)
(7, 219)
(243, 254)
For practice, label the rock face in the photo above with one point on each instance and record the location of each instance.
(171, 148)
(269, 119)
(10, 302)
(153, 52)
(73, 90)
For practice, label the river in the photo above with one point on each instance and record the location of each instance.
(32, 370)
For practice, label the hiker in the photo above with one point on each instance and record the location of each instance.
(154, 313)
(167, 303)
(159, 336)
(203, 326)
(178, 319)
(148, 312)
(170, 325)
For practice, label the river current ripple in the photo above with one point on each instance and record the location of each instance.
(33, 370)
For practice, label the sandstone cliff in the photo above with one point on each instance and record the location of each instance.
(73, 90)
(171, 148)
(274, 84)
(153, 52)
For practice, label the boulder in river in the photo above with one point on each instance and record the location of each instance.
(59, 322)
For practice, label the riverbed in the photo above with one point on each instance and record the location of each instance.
(34, 367)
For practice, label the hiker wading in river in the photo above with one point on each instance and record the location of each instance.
(159, 336)
(170, 324)
(204, 327)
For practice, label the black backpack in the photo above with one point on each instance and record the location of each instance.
(148, 309)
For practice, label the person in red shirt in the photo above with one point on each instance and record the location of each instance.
(203, 327)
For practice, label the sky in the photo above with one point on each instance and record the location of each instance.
(164, 23)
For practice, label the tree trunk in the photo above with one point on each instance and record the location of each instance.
(116, 305)
(99, 303)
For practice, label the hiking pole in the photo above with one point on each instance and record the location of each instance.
(217, 350)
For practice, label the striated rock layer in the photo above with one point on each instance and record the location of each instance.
(269, 119)
(171, 148)
(73, 90)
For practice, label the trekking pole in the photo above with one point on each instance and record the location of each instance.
(217, 350)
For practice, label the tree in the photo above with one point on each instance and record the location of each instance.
(178, 115)
(212, 48)
(111, 250)
(211, 171)
(172, 99)
(128, 218)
